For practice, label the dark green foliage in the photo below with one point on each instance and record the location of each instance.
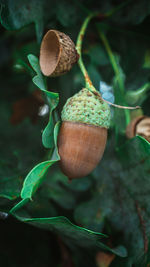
(110, 209)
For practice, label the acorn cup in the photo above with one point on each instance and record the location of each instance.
(83, 134)
(139, 126)
(57, 53)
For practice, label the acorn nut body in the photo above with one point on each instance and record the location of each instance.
(83, 134)
(81, 147)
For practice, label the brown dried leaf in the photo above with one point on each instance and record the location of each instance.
(104, 259)
(27, 107)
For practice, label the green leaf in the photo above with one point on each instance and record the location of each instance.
(39, 81)
(69, 231)
(34, 179)
(36, 175)
(47, 135)
(53, 99)
(19, 205)
(146, 64)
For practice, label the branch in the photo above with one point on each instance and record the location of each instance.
(143, 226)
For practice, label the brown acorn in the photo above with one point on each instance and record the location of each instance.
(57, 53)
(83, 134)
(139, 126)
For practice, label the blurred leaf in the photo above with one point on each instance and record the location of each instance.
(121, 197)
(15, 15)
(98, 55)
(9, 186)
(95, 218)
(80, 185)
(130, 59)
(56, 188)
(146, 64)
(133, 12)
(138, 96)
(68, 18)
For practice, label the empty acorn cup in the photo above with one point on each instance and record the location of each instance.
(57, 53)
(139, 126)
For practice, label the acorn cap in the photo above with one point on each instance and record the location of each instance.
(143, 128)
(57, 53)
(139, 126)
(131, 128)
(87, 107)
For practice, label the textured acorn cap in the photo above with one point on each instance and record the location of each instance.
(57, 53)
(87, 107)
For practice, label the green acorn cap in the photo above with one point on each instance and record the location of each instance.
(87, 107)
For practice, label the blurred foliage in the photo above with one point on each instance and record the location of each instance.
(71, 219)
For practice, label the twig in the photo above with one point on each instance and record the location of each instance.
(81, 34)
(119, 106)
(142, 223)
(65, 254)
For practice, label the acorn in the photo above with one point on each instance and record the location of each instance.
(57, 53)
(83, 133)
(139, 126)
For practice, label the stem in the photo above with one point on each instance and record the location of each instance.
(88, 82)
(116, 71)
